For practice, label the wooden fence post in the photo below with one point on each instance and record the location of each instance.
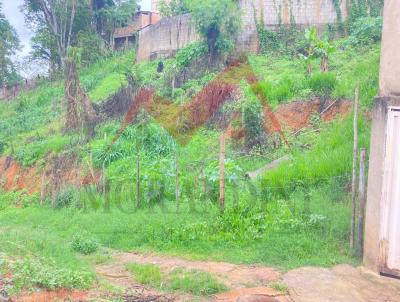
(43, 187)
(362, 201)
(138, 181)
(177, 191)
(354, 177)
(222, 172)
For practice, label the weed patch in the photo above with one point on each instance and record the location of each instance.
(195, 282)
(147, 274)
(30, 273)
(84, 245)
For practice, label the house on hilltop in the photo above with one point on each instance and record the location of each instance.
(126, 36)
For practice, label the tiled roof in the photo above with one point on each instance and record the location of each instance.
(123, 32)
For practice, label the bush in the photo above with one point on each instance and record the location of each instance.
(65, 198)
(253, 120)
(32, 272)
(193, 51)
(84, 245)
(366, 31)
(322, 84)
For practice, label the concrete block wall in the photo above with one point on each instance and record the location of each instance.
(171, 34)
(166, 37)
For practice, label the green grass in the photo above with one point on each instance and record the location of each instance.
(195, 282)
(107, 87)
(29, 154)
(329, 158)
(299, 215)
(284, 79)
(36, 111)
(147, 274)
(279, 286)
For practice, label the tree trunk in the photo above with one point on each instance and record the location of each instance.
(80, 113)
(309, 68)
(324, 64)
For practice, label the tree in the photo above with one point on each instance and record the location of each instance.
(44, 49)
(113, 15)
(9, 44)
(80, 112)
(173, 8)
(58, 16)
(217, 21)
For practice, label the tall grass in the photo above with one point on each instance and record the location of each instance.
(330, 156)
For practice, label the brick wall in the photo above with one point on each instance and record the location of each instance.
(171, 34)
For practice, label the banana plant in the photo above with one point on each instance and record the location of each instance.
(317, 48)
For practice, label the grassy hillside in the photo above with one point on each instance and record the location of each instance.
(297, 214)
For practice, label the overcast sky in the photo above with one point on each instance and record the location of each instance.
(12, 10)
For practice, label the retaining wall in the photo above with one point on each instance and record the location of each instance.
(171, 34)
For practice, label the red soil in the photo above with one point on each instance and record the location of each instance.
(296, 115)
(14, 177)
(50, 296)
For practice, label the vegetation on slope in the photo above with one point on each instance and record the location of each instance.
(295, 215)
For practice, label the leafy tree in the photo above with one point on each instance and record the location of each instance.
(59, 24)
(113, 15)
(173, 8)
(217, 21)
(9, 44)
(58, 17)
(44, 49)
(366, 31)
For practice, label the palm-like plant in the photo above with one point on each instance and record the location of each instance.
(317, 48)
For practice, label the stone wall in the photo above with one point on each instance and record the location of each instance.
(171, 34)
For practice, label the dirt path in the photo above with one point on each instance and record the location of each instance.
(245, 282)
(342, 283)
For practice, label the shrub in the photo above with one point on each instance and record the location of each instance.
(322, 84)
(32, 272)
(65, 198)
(253, 119)
(366, 31)
(189, 53)
(84, 245)
(2, 147)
